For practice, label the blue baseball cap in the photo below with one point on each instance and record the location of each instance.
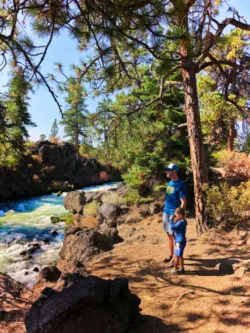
(171, 167)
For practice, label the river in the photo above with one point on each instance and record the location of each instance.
(25, 226)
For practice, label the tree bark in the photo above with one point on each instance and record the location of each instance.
(193, 122)
(231, 135)
(196, 146)
(77, 145)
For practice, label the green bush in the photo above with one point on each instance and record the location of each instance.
(230, 204)
(67, 218)
(136, 176)
(133, 198)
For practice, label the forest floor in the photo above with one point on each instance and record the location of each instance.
(201, 300)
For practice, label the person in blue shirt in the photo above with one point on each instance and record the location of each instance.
(176, 196)
(179, 226)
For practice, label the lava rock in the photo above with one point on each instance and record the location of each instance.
(87, 304)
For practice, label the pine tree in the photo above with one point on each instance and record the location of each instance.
(15, 117)
(54, 130)
(124, 34)
(75, 116)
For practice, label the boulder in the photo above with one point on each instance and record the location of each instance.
(75, 201)
(81, 244)
(110, 232)
(13, 305)
(155, 208)
(93, 196)
(86, 304)
(49, 273)
(108, 213)
(54, 219)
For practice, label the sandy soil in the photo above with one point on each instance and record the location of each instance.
(202, 300)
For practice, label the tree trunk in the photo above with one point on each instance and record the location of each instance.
(196, 146)
(77, 145)
(231, 135)
(193, 123)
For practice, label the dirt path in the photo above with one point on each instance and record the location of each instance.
(199, 301)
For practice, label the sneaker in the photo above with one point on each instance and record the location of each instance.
(174, 272)
(181, 271)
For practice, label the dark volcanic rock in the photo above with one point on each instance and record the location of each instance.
(88, 304)
(49, 273)
(51, 167)
(81, 244)
(13, 306)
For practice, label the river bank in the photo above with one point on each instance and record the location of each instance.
(213, 296)
(28, 238)
(48, 168)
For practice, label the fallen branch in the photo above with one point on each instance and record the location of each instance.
(180, 297)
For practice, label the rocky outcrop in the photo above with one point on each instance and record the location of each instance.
(50, 167)
(13, 307)
(83, 304)
(82, 244)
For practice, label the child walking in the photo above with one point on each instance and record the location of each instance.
(179, 226)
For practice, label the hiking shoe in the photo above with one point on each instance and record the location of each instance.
(174, 272)
(167, 259)
(181, 271)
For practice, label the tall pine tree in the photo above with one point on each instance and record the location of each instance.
(15, 117)
(75, 115)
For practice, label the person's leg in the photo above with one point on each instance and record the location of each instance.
(171, 244)
(176, 262)
(182, 270)
(182, 262)
(167, 229)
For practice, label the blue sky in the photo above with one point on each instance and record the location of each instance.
(43, 109)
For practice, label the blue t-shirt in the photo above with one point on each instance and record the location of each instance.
(176, 189)
(179, 229)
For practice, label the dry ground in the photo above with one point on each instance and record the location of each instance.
(199, 301)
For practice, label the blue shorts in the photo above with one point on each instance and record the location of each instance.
(179, 249)
(166, 223)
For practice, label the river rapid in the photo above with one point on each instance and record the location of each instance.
(28, 239)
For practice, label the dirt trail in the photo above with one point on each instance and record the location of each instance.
(199, 301)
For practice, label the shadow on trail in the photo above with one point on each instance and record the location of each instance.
(150, 324)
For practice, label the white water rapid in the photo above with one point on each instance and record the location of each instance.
(25, 227)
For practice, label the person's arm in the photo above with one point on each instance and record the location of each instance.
(175, 225)
(183, 202)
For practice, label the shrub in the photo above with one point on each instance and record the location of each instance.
(160, 188)
(67, 218)
(136, 176)
(113, 198)
(236, 164)
(91, 208)
(133, 198)
(229, 204)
